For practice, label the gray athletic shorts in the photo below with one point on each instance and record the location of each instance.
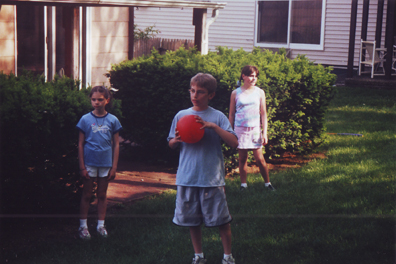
(198, 205)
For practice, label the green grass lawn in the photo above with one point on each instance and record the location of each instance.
(335, 210)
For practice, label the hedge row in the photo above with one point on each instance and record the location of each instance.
(154, 88)
(39, 166)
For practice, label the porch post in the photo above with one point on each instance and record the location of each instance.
(363, 35)
(378, 30)
(76, 43)
(84, 48)
(365, 15)
(131, 36)
(199, 21)
(352, 36)
(51, 42)
(390, 37)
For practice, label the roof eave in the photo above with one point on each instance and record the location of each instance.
(140, 3)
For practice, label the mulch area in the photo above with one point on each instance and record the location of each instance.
(136, 181)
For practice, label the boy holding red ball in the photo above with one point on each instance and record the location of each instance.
(200, 180)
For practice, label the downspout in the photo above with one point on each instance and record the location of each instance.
(205, 41)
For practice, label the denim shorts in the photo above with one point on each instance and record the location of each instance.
(201, 205)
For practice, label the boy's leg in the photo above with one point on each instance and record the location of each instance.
(86, 198)
(258, 156)
(243, 156)
(196, 238)
(102, 197)
(225, 235)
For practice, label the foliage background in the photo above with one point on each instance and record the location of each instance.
(154, 88)
(39, 166)
(37, 119)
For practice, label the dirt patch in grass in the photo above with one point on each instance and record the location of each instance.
(134, 181)
(287, 161)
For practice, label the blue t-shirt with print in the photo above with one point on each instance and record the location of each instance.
(201, 164)
(98, 131)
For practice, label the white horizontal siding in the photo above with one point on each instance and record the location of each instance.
(109, 38)
(336, 38)
(336, 43)
(174, 23)
(235, 28)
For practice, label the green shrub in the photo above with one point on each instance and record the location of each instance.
(39, 166)
(155, 88)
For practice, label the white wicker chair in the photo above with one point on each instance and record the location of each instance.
(371, 56)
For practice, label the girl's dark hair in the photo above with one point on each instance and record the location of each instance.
(106, 93)
(247, 70)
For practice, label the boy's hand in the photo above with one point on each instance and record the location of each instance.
(177, 137)
(204, 123)
(230, 139)
(174, 142)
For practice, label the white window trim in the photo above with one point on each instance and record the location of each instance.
(289, 45)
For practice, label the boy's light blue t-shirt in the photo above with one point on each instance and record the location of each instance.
(201, 164)
(98, 131)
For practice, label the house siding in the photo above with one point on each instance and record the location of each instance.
(174, 23)
(7, 39)
(337, 23)
(109, 38)
(235, 28)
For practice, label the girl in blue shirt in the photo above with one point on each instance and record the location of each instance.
(98, 152)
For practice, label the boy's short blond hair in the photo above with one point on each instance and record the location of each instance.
(204, 80)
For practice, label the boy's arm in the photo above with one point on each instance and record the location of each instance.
(231, 114)
(263, 117)
(81, 140)
(229, 138)
(116, 155)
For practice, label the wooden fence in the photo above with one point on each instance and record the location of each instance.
(144, 47)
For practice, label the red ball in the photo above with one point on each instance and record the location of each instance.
(189, 129)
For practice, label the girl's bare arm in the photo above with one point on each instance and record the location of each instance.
(81, 140)
(263, 116)
(116, 154)
(231, 114)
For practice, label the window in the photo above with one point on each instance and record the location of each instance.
(49, 40)
(30, 29)
(295, 24)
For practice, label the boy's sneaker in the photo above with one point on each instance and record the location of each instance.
(242, 189)
(229, 260)
(102, 231)
(198, 260)
(83, 233)
(270, 187)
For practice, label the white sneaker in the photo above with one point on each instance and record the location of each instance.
(102, 231)
(229, 260)
(83, 233)
(198, 260)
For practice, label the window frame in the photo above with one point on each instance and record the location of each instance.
(289, 45)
